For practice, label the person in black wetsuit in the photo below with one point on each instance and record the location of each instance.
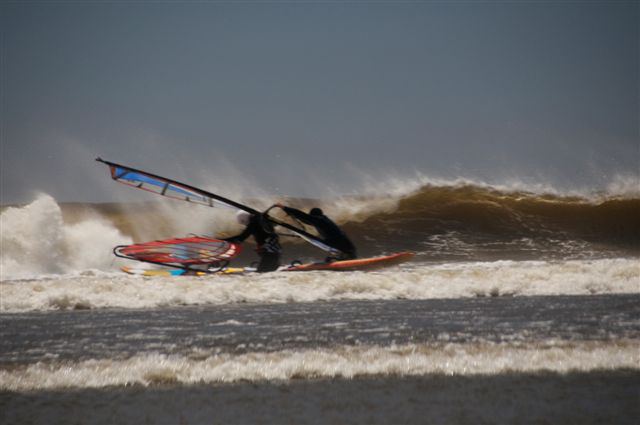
(265, 236)
(328, 230)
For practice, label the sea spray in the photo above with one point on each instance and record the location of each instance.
(36, 241)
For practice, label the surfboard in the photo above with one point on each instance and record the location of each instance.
(357, 264)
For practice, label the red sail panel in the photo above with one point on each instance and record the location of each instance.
(181, 251)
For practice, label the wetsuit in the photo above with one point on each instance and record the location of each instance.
(328, 230)
(267, 240)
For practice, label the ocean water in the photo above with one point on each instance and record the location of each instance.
(520, 305)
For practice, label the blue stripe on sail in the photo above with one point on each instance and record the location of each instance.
(133, 177)
(141, 178)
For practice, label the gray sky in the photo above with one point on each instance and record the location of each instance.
(295, 96)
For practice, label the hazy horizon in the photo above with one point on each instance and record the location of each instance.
(302, 99)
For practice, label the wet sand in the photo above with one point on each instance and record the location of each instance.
(598, 397)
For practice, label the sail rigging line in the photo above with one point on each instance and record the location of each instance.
(137, 178)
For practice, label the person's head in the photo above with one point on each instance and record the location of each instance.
(316, 211)
(243, 217)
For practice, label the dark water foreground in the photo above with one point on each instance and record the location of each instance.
(596, 397)
(589, 396)
(71, 336)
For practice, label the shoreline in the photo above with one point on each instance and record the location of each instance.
(574, 397)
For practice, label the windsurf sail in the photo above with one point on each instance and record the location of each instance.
(184, 192)
(168, 188)
(182, 253)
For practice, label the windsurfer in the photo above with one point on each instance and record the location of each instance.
(265, 236)
(332, 235)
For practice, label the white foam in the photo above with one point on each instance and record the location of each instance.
(36, 241)
(395, 184)
(342, 361)
(413, 281)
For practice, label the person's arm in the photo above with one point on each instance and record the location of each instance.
(302, 216)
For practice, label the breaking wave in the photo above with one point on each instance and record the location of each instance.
(481, 216)
(440, 221)
(449, 221)
(338, 362)
(36, 241)
(410, 281)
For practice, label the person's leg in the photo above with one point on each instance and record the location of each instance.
(268, 262)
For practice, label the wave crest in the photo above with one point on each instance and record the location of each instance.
(491, 215)
(36, 240)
